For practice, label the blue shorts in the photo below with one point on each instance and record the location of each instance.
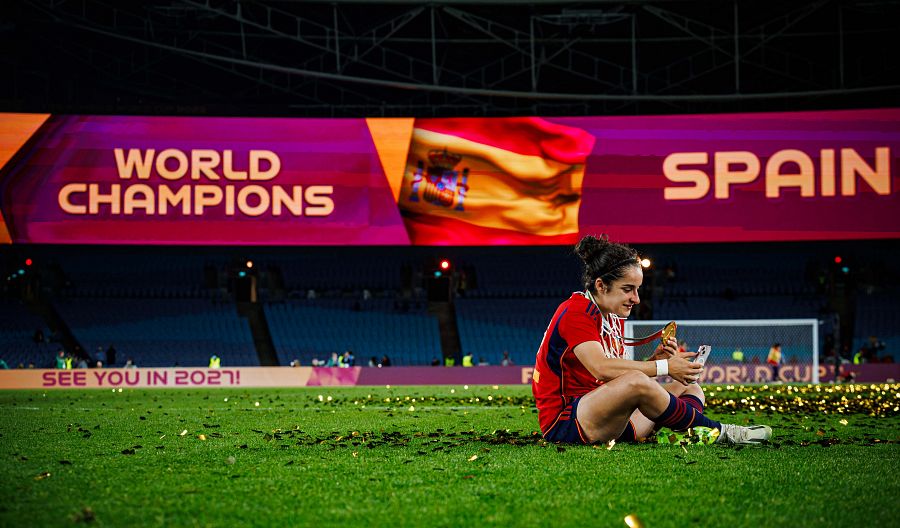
(567, 430)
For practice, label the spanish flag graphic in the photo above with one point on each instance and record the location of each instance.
(474, 181)
(15, 131)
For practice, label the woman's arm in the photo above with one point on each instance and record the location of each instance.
(593, 356)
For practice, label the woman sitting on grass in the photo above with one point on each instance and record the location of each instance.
(586, 392)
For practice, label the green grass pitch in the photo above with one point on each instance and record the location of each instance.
(433, 456)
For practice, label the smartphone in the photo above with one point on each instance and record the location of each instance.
(702, 354)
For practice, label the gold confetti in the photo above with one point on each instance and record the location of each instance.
(355, 453)
(42, 476)
(412, 408)
(182, 433)
(633, 521)
(610, 444)
(875, 400)
(473, 458)
(843, 422)
(202, 437)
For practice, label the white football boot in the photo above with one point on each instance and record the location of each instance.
(740, 435)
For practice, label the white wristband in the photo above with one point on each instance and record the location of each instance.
(662, 367)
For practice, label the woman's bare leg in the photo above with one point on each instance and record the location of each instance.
(604, 412)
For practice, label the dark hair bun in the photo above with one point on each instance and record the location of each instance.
(604, 259)
(591, 247)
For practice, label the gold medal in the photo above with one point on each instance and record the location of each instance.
(665, 333)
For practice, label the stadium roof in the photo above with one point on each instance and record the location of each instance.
(390, 57)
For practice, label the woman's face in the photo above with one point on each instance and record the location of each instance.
(622, 295)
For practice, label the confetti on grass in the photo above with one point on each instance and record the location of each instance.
(86, 515)
(633, 521)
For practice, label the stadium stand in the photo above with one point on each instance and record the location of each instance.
(17, 327)
(539, 273)
(317, 271)
(143, 275)
(161, 332)
(761, 307)
(505, 296)
(512, 304)
(488, 327)
(877, 315)
(313, 329)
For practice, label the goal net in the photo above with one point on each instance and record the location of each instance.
(740, 347)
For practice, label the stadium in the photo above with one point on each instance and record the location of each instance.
(311, 263)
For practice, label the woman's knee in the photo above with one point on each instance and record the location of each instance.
(695, 390)
(639, 384)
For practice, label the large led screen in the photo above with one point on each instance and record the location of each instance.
(456, 181)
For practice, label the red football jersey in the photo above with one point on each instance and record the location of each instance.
(559, 377)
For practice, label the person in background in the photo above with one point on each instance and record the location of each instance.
(111, 355)
(467, 359)
(871, 349)
(3, 365)
(373, 361)
(215, 361)
(774, 358)
(506, 361)
(98, 364)
(385, 361)
(130, 364)
(61, 359)
(82, 363)
(737, 356)
(435, 362)
(348, 359)
(483, 362)
(334, 360)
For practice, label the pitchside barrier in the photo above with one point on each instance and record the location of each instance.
(740, 347)
(287, 377)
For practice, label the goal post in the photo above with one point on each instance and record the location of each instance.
(799, 340)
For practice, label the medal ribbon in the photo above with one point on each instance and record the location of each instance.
(667, 331)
